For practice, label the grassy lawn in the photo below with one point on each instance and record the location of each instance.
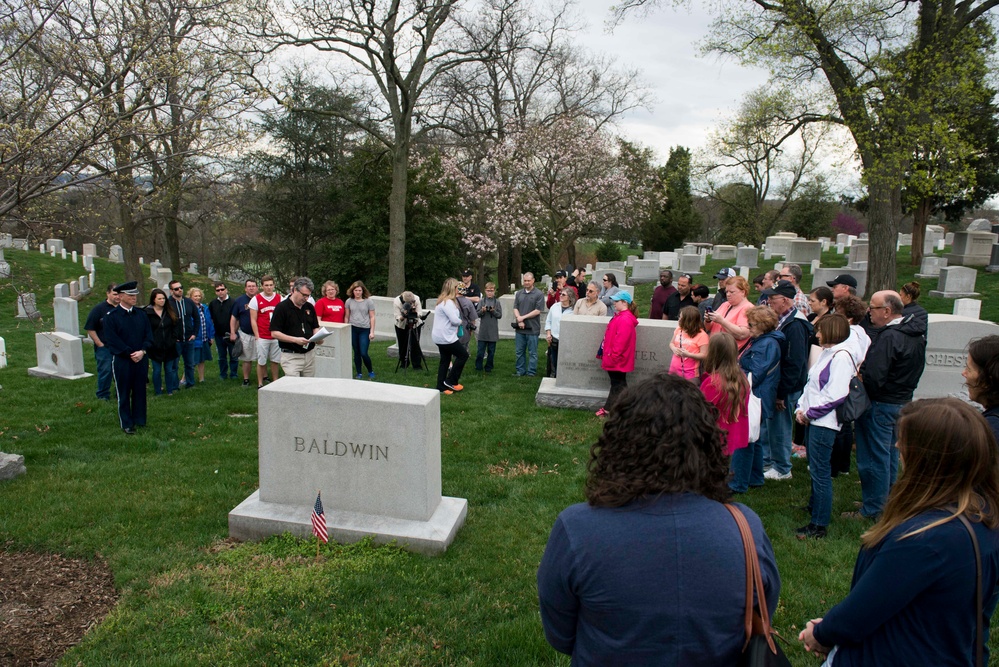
(154, 507)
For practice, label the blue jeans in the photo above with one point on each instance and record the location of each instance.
(485, 347)
(747, 465)
(527, 354)
(820, 448)
(185, 349)
(103, 357)
(359, 342)
(877, 457)
(171, 375)
(227, 362)
(779, 427)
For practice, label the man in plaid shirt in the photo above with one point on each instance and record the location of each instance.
(792, 272)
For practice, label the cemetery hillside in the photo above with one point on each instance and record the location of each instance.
(129, 549)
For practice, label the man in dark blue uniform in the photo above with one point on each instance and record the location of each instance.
(127, 335)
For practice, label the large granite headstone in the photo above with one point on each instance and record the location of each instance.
(778, 245)
(947, 341)
(803, 252)
(645, 271)
(971, 249)
(59, 355)
(581, 383)
(669, 260)
(956, 282)
(116, 255)
(373, 449)
(67, 316)
(689, 264)
(54, 245)
(725, 252)
(859, 252)
(384, 318)
(748, 256)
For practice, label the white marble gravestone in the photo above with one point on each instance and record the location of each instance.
(644, 271)
(689, 264)
(59, 355)
(61, 290)
(930, 266)
(581, 383)
(3, 353)
(88, 262)
(971, 308)
(859, 252)
(74, 289)
(379, 476)
(725, 252)
(778, 245)
(116, 255)
(163, 278)
(669, 260)
(19, 244)
(384, 318)
(67, 316)
(90, 250)
(956, 282)
(26, 307)
(6, 240)
(947, 341)
(334, 357)
(193, 268)
(54, 245)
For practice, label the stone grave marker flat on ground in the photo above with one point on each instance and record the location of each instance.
(59, 355)
(971, 249)
(374, 450)
(947, 341)
(956, 282)
(11, 466)
(334, 357)
(581, 383)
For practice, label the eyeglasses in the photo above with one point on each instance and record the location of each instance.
(591, 291)
(606, 280)
(219, 289)
(877, 307)
(785, 275)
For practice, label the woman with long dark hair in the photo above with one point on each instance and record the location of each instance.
(725, 387)
(981, 375)
(167, 330)
(651, 569)
(913, 596)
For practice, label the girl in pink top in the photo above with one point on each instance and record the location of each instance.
(689, 344)
(725, 387)
(618, 348)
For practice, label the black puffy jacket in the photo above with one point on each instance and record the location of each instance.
(895, 361)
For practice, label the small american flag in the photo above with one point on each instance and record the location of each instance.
(319, 520)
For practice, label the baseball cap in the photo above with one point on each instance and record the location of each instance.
(622, 296)
(781, 288)
(843, 279)
(560, 274)
(725, 273)
(466, 273)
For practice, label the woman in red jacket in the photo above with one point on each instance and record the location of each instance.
(618, 349)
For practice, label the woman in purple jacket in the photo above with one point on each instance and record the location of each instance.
(618, 349)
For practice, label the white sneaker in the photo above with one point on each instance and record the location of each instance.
(773, 474)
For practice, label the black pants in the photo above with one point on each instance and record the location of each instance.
(618, 380)
(456, 351)
(403, 337)
(130, 384)
(842, 449)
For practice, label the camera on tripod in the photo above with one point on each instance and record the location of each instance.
(412, 315)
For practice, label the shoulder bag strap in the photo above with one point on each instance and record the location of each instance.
(753, 579)
(979, 636)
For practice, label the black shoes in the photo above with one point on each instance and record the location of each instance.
(811, 530)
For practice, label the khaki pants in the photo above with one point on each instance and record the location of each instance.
(295, 364)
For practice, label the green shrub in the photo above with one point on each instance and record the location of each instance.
(608, 251)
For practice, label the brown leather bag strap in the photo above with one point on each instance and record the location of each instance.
(979, 636)
(754, 579)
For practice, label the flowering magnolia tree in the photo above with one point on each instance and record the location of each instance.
(545, 186)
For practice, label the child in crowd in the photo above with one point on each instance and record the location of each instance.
(689, 344)
(725, 386)
(490, 313)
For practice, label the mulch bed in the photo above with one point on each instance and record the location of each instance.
(47, 603)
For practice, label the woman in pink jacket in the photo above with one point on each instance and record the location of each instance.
(618, 348)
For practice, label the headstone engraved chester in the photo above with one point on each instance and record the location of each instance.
(59, 355)
(581, 383)
(373, 450)
(947, 339)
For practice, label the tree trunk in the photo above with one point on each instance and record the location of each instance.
(920, 217)
(502, 269)
(517, 264)
(397, 216)
(571, 255)
(883, 223)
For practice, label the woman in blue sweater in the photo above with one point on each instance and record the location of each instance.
(652, 571)
(912, 600)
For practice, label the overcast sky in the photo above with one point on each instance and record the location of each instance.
(693, 92)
